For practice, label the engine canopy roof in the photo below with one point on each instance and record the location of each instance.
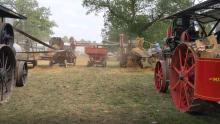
(8, 13)
(205, 12)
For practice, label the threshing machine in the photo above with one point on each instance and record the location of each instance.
(132, 55)
(65, 54)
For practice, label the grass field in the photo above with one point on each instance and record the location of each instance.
(94, 95)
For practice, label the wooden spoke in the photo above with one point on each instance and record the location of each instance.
(180, 95)
(190, 84)
(177, 71)
(190, 69)
(186, 95)
(185, 62)
(175, 86)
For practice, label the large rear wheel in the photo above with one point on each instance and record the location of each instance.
(7, 72)
(182, 79)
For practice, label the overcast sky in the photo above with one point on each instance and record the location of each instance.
(71, 18)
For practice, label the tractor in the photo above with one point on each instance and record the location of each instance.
(189, 66)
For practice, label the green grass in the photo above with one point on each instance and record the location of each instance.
(94, 95)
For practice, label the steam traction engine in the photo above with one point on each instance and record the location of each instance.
(12, 71)
(190, 64)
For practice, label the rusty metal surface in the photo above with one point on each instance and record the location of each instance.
(97, 56)
(63, 55)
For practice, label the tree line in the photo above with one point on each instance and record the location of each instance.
(131, 17)
(135, 17)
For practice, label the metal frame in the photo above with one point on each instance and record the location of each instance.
(7, 13)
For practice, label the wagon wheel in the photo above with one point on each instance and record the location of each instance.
(182, 78)
(7, 72)
(161, 76)
(22, 73)
(6, 34)
(74, 61)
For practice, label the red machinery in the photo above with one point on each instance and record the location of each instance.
(97, 56)
(191, 59)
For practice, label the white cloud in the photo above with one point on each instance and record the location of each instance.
(72, 20)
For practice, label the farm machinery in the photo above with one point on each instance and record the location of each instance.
(13, 72)
(131, 55)
(57, 52)
(65, 54)
(190, 61)
(97, 56)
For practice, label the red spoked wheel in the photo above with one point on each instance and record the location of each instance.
(161, 76)
(182, 78)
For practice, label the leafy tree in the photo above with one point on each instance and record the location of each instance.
(38, 23)
(135, 17)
